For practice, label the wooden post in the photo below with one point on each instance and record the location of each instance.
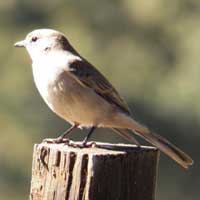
(104, 172)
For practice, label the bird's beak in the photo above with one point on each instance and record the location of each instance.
(20, 44)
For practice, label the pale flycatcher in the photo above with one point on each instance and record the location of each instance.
(77, 92)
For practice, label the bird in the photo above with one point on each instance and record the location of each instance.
(80, 94)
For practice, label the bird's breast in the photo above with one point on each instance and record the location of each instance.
(48, 75)
(69, 99)
(59, 90)
(43, 77)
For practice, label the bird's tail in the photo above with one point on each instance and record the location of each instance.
(125, 134)
(160, 142)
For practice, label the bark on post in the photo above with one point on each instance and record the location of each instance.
(106, 172)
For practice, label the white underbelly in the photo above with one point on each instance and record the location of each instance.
(70, 100)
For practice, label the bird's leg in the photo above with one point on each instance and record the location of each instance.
(84, 142)
(60, 139)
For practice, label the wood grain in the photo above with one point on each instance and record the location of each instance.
(105, 172)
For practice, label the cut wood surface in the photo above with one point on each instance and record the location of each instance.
(105, 172)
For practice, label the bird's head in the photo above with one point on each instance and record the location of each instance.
(41, 41)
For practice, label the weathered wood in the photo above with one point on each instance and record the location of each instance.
(106, 172)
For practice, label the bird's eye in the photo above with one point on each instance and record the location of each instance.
(34, 39)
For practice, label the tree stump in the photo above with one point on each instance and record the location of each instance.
(104, 172)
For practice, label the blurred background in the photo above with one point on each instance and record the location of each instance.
(149, 50)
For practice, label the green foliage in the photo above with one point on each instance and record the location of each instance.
(148, 49)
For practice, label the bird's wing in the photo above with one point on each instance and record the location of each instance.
(90, 77)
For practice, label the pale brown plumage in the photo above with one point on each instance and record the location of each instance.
(80, 94)
(88, 76)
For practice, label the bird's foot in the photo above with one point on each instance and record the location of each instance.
(57, 140)
(80, 145)
(69, 143)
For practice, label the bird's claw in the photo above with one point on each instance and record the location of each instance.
(69, 143)
(58, 140)
(80, 145)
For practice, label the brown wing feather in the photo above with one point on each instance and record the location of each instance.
(88, 76)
